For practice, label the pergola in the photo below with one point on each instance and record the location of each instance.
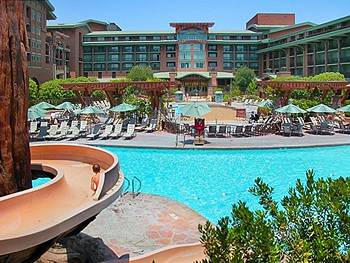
(286, 87)
(154, 89)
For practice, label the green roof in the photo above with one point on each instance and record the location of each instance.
(266, 27)
(292, 26)
(221, 41)
(129, 42)
(128, 33)
(307, 39)
(232, 32)
(204, 74)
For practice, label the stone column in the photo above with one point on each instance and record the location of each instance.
(212, 84)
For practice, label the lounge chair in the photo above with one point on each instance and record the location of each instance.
(286, 129)
(152, 126)
(73, 125)
(42, 133)
(222, 131)
(130, 132)
(63, 125)
(344, 128)
(108, 130)
(248, 130)
(33, 127)
(117, 131)
(212, 130)
(143, 125)
(52, 132)
(83, 126)
(62, 134)
(95, 132)
(297, 129)
(74, 135)
(238, 131)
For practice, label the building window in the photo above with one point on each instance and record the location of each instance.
(99, 57)
(170, 55)
(141, 49)
(113, 49)
(240, 48)
(100, 39)
(87, 58)
(227, 56)
(128, 57)
(155, 57)
(156, 38)
(99, 75)
(141, 57)
(155, 66)
(155, 48)
(212, 47)
(185, 64)
(127, 49)
(170, 64)
(170, 48)
(228, 65)
(253, 48)
(211, 37)
(170, 37)
(227, 48)
(142, 38)
(226, 37)
(114, 75)
(212, 54)
(212, 64)
(239, 57)
(127, 66)
(99, 66)
(113, 57)
(87, 49)
(192, 34)
(113, 66)
(87, 66)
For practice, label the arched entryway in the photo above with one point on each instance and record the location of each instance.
(195, 85)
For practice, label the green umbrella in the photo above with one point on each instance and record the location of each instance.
(195, 109)
(344, 108)
(45, 105)
(65, 106)
(91, 110)
(35, 113)
(290, 108)
(124, 107)
(265, 103)
(321, 108)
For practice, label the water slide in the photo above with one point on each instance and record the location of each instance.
(32, 220)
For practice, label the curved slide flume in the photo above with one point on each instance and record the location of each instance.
(32, 220)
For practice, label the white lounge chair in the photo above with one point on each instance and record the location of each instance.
(108, 130)
(74, 135)
(52, 132)
(130, 132)
(33, 127)
(152, 126)
(117, 131)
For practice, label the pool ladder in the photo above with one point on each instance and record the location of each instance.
(133, 191)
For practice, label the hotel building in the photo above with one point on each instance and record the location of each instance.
(193, 53)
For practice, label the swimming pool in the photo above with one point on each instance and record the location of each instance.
(40, 181)
(210, 181)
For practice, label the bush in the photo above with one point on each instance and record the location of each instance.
(310, 224)
(52, 91)
(140, 73)
(33, 93)
(243, 77)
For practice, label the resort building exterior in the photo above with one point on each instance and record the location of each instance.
(193, 53)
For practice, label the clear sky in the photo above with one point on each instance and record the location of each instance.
(227, 14)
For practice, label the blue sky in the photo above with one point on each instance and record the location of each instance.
(227, 14)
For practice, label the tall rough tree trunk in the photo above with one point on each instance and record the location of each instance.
(15, 174)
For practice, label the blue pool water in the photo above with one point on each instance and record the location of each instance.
(40, 181)
(210, 181)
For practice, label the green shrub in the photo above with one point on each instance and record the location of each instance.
(310, 224)
(243, 77)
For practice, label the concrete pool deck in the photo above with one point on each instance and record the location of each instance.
(167, 140)
(129, 228)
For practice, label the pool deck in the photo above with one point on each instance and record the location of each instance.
(167, 140)
(132, 227)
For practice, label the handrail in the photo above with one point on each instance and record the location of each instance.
(133, 186)
(126, 188)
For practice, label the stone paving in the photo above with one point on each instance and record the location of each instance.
(167, 140)
(139, 225)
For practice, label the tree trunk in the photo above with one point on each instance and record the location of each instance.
(15, 174)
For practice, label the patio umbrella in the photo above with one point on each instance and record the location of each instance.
(91, 110)
(195, 109)
(35, 113)
(290, 108)
(265, 103)
(44, 105)
(344, 108)
(65, 106)
(124, 107)
(321, 108)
